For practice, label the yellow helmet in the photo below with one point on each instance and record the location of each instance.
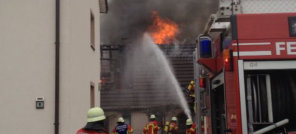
(192, 82)
(167, 123)
(174, 118)
(152, 116)
(120, 119)
(189, 122)
(95, 114)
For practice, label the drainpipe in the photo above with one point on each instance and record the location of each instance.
(57, 68)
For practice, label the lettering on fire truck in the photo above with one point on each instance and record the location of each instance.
(288, 47)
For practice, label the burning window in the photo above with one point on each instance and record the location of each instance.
(163, 30)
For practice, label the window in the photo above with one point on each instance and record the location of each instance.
(103, 6)
(92, 94)
(292, 26)
(92, 31)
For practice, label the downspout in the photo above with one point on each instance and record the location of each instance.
(57, 68)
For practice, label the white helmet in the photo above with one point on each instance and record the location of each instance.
(120, 119)
(152, 116)
(189, 122)
(95, 114)
(174, 118)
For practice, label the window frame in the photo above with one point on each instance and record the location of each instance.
(92, 31)
(92, 94)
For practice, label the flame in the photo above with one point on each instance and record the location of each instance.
(163, 30)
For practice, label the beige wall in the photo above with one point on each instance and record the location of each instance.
(139, 120)
(80, 63)
(27, 58)
(26, 65)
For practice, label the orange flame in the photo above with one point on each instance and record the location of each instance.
(163, 30)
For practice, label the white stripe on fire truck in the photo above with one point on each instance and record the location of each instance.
(252, 53)
(252, 44)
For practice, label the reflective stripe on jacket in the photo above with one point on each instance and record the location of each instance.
(122, 129)
(166, 129)
(151, 128)
(173, 128)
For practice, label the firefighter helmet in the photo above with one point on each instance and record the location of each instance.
(174, 118)
(152, 116)
(192, 82)
(167, 123)
(95, 114)
(120, 119)
(189, 122)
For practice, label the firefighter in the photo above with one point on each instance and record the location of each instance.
(173, 128)
(190, 127)
(152, 126)
(191, 94)
(166, 127)
(122, 128)
(95, 122)
(190, 89)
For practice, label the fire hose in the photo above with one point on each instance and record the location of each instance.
(273, 126)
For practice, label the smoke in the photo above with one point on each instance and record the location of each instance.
(129, 19)
(148, 72)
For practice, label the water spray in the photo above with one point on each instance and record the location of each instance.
(148, 42)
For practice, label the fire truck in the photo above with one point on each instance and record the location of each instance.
(246, 69)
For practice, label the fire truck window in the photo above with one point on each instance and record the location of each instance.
(218, 110)
(257, 94)
(227, 41)
(292, 26)
(283, 88)
(283, 98)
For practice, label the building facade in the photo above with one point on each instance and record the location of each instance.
(28, 65)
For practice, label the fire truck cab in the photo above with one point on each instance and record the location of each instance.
(246, 72)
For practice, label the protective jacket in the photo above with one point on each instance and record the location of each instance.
(173, 128)
(151, 128)
(122, 129)
(166, 127)
(93, 128)
(192, 129)
(83, 131)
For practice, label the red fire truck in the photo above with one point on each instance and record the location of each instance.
(246, 70)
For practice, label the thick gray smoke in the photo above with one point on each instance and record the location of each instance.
(127, 19)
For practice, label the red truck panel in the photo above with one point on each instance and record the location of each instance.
(263, 26)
